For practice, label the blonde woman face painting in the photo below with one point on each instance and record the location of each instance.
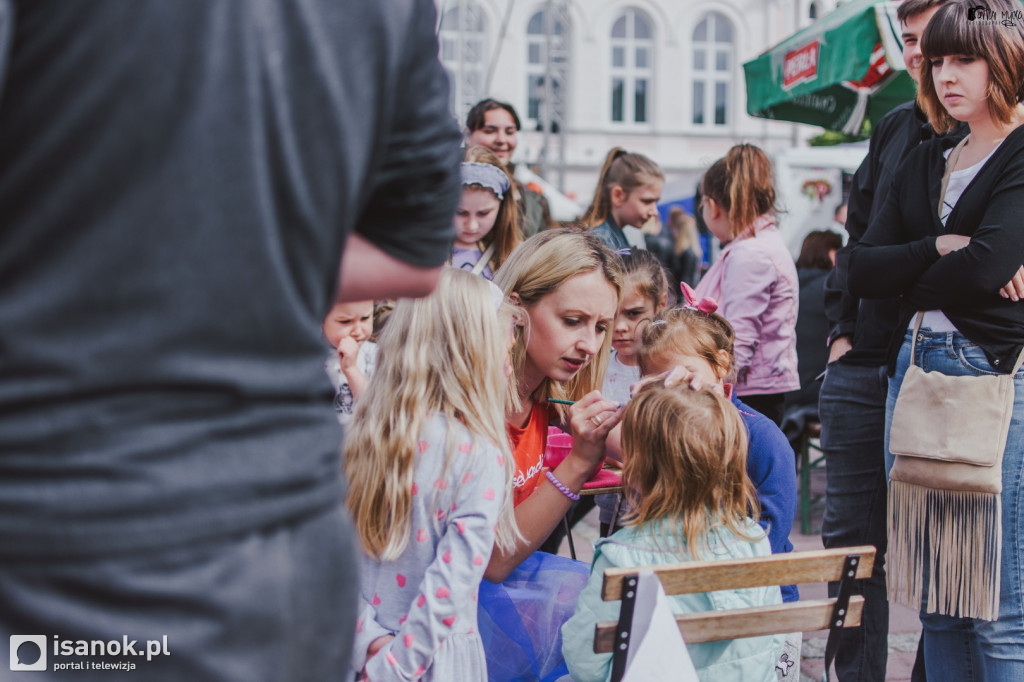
(568, 327)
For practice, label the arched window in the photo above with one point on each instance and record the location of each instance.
(812, 11)
(463, 38)
(713, 56)
(632, 68)
(537, 66)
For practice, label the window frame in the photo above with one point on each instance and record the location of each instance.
(534, 70)
(706, 75)
(448, 39)
(629, 73)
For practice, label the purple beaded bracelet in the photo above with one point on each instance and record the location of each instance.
(561, 486)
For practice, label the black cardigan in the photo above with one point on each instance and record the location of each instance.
(870, 323)
(897, 255)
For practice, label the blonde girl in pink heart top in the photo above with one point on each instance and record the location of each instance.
(429, 471)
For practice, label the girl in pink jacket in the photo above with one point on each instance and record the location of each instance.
(754, 278)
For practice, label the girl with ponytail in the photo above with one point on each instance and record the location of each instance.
(627, 193)
(754, 278)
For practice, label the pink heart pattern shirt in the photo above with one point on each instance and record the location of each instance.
(427, 597)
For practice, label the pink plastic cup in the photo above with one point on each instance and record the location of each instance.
(557, 448)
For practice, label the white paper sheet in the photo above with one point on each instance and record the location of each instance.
(657, 650)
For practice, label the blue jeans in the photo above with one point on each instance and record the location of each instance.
(966, 648)
(851, 407)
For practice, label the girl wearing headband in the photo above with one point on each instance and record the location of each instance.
(487, 220)
(644, 295)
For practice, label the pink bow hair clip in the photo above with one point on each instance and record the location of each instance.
(705, 305)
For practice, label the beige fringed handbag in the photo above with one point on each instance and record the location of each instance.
(948, 434)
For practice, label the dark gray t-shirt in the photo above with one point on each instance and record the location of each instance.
(177, 180)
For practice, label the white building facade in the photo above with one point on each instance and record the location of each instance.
(659, 77)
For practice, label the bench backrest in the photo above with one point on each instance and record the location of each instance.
(842, 564)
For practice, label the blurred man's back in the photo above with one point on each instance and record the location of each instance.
(177, 183)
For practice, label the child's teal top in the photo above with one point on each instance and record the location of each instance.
(750, 659)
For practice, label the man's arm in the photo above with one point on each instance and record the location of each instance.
(405, 231)
(841, 307)
(889, 259)
(866, 197)
(990, 259)
(368, 273)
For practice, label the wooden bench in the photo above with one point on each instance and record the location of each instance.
(842, 564)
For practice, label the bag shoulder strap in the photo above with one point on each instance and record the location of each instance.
(485, 258)
(954, 156)
(913, 339)
(1017, 365)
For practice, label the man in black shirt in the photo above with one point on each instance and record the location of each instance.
(178, 182)
(853, 394)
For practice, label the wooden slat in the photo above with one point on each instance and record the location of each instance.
(715, 626)
(608, 489)
(730, 574)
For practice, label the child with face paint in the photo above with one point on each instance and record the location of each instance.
(645, 294)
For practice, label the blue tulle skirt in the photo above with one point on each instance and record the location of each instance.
(521, 619)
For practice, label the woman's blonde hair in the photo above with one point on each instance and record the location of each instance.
(627, 170)
(686, 331)
(743, 183)
(506, 234)
(685, 455)
(1001, 45)
(535, 269)
(683, 227)
(438, 355)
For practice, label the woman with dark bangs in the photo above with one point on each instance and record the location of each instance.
(961, 267)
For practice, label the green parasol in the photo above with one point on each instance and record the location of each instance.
(836, 73)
